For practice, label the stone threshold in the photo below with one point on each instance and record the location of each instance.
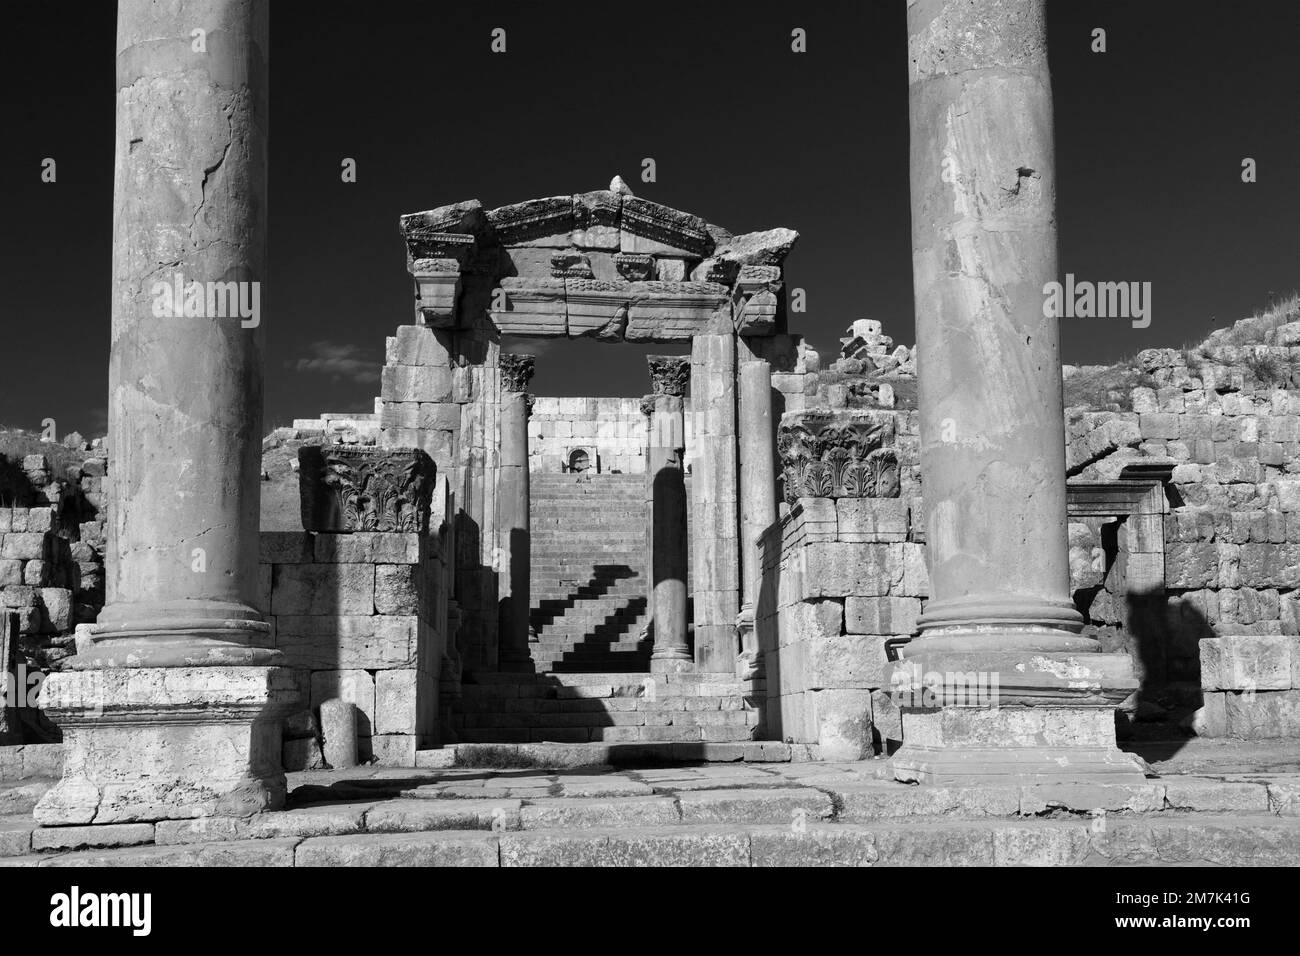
(1201, 839)
(561, 756)
(390, 815)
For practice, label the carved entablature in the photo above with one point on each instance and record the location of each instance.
(665, 225)
(684, 275)
(570, 264)
(516, 371)
(838, 454)
(600, 207)
(424, 244)
(533, 219)
(345, 488)
(669, 374)
(635, 267)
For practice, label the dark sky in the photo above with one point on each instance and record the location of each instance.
(1150, 139)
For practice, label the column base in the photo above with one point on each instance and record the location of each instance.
(1013, 746)
(177, 634)
(168, 743)
(672, 661)
(1011, 717)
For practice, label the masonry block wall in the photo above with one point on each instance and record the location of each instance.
(841, 578)
(51, 561)
(440, 392)
(615, 428)
(360, 616)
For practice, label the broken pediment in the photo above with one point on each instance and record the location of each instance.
(608, 237)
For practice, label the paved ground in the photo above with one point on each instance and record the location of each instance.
(737, 814)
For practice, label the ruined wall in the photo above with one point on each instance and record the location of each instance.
(359, 616)
(52, 529)
(842, 575)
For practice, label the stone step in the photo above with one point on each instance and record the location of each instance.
(536, 833)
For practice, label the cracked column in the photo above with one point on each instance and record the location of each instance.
(512, 501)
(757, 501)
(180, 636)
(1000, 626)
(664, 467)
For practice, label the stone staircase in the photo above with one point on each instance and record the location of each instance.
(609, 707)
(588, 573)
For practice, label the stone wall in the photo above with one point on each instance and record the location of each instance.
(357, 616)
(615, 428)
(842, 575)
(51, 561)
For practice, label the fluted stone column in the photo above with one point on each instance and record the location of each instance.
(512, 501)
(180, 634)
(668, 550)
(992, 435)
(757, 501)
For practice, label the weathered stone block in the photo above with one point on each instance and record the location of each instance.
(347, 641)
(308, 589)
(419, 345)
(396, 589)
(396, 692)
(872, 519)
(1263, 715)
(846, 661)
(1241, 662)
(881, 615)
(410, 383)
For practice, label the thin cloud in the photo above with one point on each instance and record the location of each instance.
(340, 362)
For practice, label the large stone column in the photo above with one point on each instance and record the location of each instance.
(757, 501)
(667, 479)
(992, 432)
(714, 495)
(512, 502)
(180, 636)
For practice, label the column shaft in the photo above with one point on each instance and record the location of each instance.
(667, 445)
(757, 491)
(185, 371)
(513, 529)
(983, 247)
(714, 501)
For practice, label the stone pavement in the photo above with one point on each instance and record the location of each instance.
(721, 814)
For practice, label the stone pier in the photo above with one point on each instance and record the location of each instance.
(714, 499)
(173, 710)
(667, 482)
(512, 502)
(1000, 684)
(757, 501)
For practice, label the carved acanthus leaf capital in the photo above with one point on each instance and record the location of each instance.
(516, 371)
(669, 374)
(838, 455)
